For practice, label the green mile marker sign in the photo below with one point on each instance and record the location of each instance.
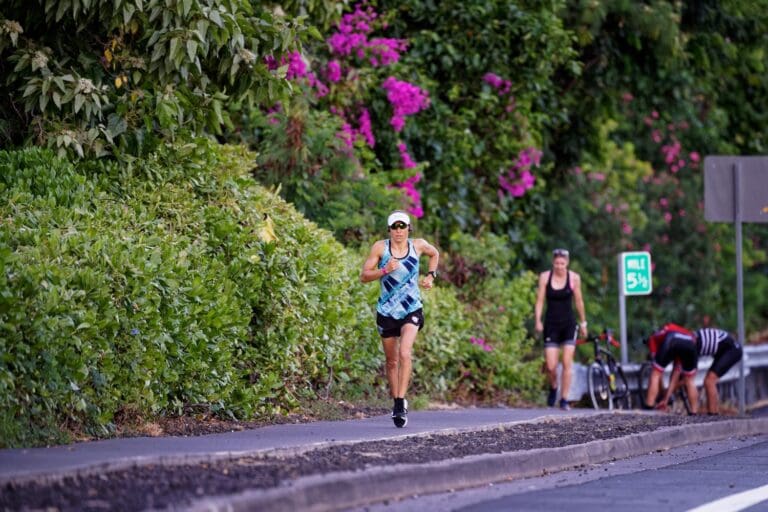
(636, 273)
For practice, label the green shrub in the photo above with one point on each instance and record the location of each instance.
(123, 294)
(494, 356)
(436, 363)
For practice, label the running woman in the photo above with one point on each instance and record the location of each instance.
(399, 316)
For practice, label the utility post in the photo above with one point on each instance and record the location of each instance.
(736, 191)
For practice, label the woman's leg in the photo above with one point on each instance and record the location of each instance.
(391, 368)
(568, 351)
(551, 356)
(710, 387)
(407, 338)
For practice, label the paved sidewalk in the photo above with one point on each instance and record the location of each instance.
(88, 457)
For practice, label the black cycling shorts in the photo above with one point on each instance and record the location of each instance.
(728, 354)
(677, 347)
(559, 335)
(389, 327)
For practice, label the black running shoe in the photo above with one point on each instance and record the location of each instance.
(564, 405)
(400, 412)
(552, 397)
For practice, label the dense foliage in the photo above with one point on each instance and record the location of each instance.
(146, 271)
(103, 76)
(201, 291)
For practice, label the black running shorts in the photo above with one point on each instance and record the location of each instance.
(677, 346)
(559, 335)
(389, 327)
(728, 354)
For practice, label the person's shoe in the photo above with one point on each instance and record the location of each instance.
(564, 405)
(400, 412)
(551, 397)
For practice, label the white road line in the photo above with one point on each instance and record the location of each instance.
(735, 502)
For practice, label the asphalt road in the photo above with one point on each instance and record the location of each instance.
(676, 480)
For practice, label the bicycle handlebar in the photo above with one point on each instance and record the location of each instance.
(606, 335)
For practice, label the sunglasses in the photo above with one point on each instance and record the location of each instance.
(560, 252)
(398, 225)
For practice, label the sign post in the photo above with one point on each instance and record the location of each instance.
(635, 278)
(736, 190)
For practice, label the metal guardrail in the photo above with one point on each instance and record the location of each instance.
(755, 356)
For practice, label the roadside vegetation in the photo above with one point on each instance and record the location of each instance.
(187, 191)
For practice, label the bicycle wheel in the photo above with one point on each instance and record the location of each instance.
(683, 396)
(678, 402)
(622, 398)
(599, 388)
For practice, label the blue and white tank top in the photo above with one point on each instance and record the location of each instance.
(400, 288)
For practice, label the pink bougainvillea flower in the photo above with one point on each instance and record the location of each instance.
(501, 85)
(408, 162)
(518, 179)
(406, 99)
(597, 176)
(365, 127)
(351, 38)
(480, 342)
(297, 68)
(409, 190)
(333, 71)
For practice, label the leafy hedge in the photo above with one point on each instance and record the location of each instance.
(120, 294)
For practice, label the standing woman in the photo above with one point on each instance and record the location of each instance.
(399, 316)
(562, 289)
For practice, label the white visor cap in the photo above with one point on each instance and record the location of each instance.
(398, 216)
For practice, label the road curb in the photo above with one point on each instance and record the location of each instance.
(344, 490)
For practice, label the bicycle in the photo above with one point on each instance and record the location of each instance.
(606, 381)
(678, 400)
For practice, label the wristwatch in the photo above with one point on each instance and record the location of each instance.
(433, 273)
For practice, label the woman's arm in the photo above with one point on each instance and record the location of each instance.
(579, 302)
(370, 272)
(540, 295)
(424, 247)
